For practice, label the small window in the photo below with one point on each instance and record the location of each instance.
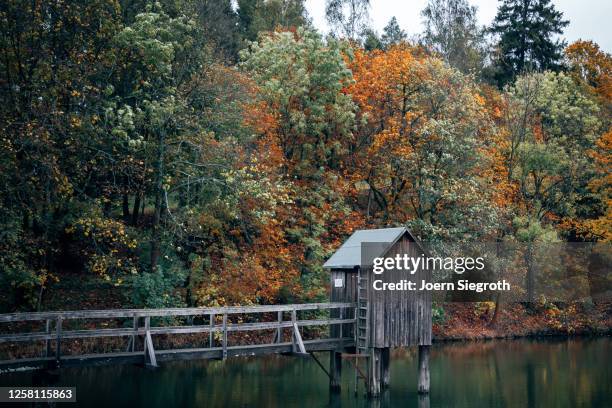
(338, 283)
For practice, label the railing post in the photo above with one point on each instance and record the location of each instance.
(356, 325)
(134, 336)
(342, 324)
(224, 336)
(211, 333)
(48, 341)
(293, 321)
(58, 340)
(279, 330)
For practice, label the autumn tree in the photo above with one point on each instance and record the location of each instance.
(553, 125)
(52, 82)
(592, 65)
(424, 144)
(301, 81)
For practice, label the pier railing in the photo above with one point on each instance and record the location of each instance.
(211, 320)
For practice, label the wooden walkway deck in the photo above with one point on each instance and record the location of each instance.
(218, 322)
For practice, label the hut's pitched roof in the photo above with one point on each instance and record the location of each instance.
(349, 254)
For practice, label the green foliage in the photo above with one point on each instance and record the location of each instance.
(452, 31)
(531, 231)
(371, 41)
(158, 289)
(257, 16)
(303, 76)
(132, 151)
(552, 164)
(438, 315)
(392, 34)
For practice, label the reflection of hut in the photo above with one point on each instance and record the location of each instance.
(385, 318)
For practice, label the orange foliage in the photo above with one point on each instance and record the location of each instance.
(592, 65)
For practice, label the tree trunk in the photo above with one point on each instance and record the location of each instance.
(136, 208)
(493, 322)
(530, 278)
(159, 192)
(126, 208)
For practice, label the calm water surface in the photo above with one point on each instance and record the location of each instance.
(516, 373)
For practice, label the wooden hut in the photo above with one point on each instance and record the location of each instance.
(385, 318)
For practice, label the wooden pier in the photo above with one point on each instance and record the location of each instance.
(361, 325)
(217, 322)
(282, 321)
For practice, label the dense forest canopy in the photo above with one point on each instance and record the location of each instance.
(207, 153)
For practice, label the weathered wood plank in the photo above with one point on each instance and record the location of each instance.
(224, 336)
(123, 313)
(211, 325)
(179, 354)
(58, 340)
(149, 351)
(298, 339)
(48, 340)
(121, 332)
(279, 330)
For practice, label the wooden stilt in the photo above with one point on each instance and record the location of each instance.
(386, 361)
(423, 401)
(374, 372)
(335, 370)
(423, 386)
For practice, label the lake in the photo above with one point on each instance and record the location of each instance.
(506, 373)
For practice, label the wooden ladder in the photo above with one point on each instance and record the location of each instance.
(362, 327)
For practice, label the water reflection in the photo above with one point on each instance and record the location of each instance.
(519, 373)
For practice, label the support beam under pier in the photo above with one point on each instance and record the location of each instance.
(335, 370)
(423, 386)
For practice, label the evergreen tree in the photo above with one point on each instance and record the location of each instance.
(371, 41)
(255, 16)
(526, 29)
(219, 23)
(392, 34)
